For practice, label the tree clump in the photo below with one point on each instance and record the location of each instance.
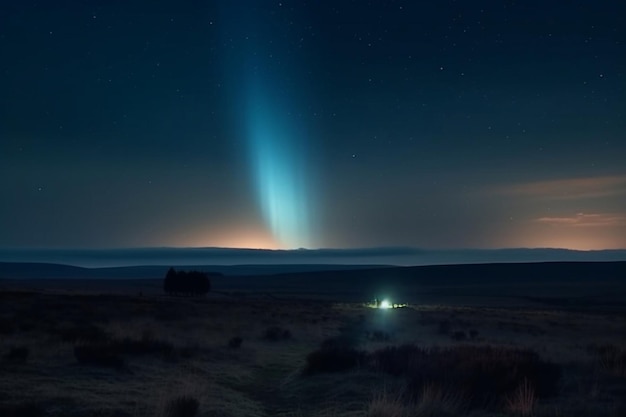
(186, 282)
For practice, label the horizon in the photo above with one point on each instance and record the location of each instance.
(390, 256)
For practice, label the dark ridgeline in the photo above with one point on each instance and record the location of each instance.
(186, 282)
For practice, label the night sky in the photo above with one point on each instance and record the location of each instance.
(335, 124)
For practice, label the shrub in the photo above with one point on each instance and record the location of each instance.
(343, 341)
(144, 346)
(435, 401)
(334, 359)
(183, 406)
(6, 326)
(485, 374)
(85, 333)
(395, 359)
(386, 406)
(611, 357)
(22, 410)
(522, 401)
(444, 327)
(105, 355)
(235, 342)
(379, 336)
(17, 354)
(276, 333)
(459, 335)
(473, 334)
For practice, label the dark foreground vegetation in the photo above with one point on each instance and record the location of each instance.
(252, 355)
(483, 377)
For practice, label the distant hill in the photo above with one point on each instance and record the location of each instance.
(398, 256)
(597, 285)
(23, 270)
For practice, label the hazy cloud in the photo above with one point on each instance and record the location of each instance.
(572, 188)
(587, 220)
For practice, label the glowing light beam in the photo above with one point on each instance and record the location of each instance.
(280, 170)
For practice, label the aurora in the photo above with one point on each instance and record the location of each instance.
(279, 169)
(265, 77)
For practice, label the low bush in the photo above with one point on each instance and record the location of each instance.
(85, 333)
(473, 333)
(7, 326)
(334, 359)
(444, 327)
(183, 406)
(17, 354)
(486, 375)
(145, 346)
(276, 333)
(611, 357)
(105, 355)
(109, 353)
(379, 336)
(459, 335)
(344, 341)
(235, 342)
(22, 410)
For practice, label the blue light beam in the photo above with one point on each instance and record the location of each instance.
(279, 163)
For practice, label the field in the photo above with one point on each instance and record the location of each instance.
(271, 351)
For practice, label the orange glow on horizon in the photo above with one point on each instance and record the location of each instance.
(239, 237)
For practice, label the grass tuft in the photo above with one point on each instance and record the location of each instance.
(183, 406)
(612, 358)
(522, 401)
(487, 375)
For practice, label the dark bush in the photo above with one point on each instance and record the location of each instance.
(459, 335)
(334, 359)
(473, 334)
(109, 353)
(235, 342)
(145, 346)
(394, 360)
(17, 354)
(343, 341)
(7, 326)
(379, 336)
(22, 410)
(85, 333)
(105, 355)
(611, 357)
(276, 333)
(484, 374)
(184, 406)
(444, 327)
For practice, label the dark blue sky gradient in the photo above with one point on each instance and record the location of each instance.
(448, 124)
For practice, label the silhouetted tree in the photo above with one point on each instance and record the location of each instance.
(186, 282)
(168, 283)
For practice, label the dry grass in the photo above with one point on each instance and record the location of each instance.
(178, 348)
(522, 401)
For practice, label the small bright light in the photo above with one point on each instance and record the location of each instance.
(385, 304)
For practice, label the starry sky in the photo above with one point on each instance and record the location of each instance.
(317, 124)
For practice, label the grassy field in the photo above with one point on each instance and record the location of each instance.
(85, 354)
